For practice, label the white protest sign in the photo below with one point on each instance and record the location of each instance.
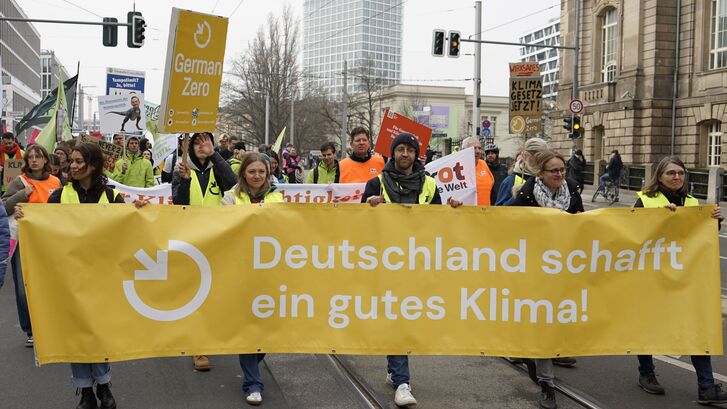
(332, 193)
(122, 113)
(456, 176)
(164, 145)
(161, 194)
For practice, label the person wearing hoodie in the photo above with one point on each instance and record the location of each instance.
(133, 169)
(253, 187)
(10, 150)
(521, 172)
(327, 170)
(403, 180)
(361, 165)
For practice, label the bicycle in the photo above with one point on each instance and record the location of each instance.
(610, 191)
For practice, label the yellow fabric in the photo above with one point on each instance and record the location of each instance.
(425, 197)
(70, 196)
(519, 180)
(660, 200)
(299, 278)
(270, 197)
(212, 196)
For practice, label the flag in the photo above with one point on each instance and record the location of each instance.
(279, 141)
(41, 113)
(57, 127)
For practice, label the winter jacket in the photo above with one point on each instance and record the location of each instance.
(222, 172)
(373, 186)
(138, 174)
(4, 243)
(575, 169)
(499, 172)
(526, 197)
(504, 194)
(614, 167)
(325, 175)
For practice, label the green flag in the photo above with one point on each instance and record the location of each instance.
(279, 141)
(58, 127)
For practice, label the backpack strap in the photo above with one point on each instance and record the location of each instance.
(109, 194)
(338, 173)
(315, 175)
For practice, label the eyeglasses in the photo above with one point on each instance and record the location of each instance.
(555, 171)
(673, 173)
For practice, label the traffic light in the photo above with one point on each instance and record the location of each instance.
(568, 124)
(438, 43)
(577, 130)
(110, 32)
(454, 44)
(135, 30)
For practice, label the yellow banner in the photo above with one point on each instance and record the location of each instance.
(116, 283)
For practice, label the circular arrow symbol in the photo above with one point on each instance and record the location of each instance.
(158, 271)
(200, 33)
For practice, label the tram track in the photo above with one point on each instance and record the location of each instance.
(356, 384)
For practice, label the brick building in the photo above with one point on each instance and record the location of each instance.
(627, 82)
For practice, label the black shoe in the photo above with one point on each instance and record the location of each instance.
(530, 363)
(615, 199)
(565, 361)
(649, 383)
(547, 396)
(714, 394)
(105, 397)
(88, 399)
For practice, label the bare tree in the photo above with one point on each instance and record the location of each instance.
(364, 104)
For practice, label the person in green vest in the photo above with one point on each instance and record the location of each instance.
(253, 187)
(403, 180)
(133, 169)
(327, 170)
(238, 152)
(668, 188)
(10, 150)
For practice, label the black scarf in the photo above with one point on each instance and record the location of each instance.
(361, 160)
(403, 188)
(678, 197)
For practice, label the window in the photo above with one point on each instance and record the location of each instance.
(608, 45)
(718, 35)
(714, 147)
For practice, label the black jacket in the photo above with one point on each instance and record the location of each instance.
(614, 167)
(499, 173)
(373, 186)
(85, 196)
(526, 198)
(224, 176)
(576, 168)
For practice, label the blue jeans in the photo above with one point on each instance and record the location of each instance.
(605, 178)
(250, 364)
(398, 367)
(21, 301)
(702, 365)
(84, 375)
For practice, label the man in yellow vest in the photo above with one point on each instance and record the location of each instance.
(403, 180)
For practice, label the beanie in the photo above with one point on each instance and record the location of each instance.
(406, 138)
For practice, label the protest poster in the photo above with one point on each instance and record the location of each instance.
(394, 124)
(120, 81)
(164, 145)
(456, 176)
(160, 194)
(111, 152)
(332, 193)
(13, 168)
(526, 94)
(122, 114)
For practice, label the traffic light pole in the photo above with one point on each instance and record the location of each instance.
(476, 80)
(574, 91)
(90, 23)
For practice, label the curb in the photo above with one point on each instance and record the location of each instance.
(724, 306)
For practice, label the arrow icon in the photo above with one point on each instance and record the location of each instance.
(155, 270)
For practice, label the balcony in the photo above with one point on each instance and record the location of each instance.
(600, 93)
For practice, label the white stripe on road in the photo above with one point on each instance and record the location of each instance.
(688, 367)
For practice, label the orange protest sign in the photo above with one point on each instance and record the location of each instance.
(394, 124)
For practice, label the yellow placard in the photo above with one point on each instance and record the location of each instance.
(193, 73)
(115, 283)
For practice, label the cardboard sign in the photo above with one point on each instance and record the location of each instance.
(13, 168)
(193, 72)
(394, 124)
(111, 152)
(122, 113)
(524, 69)
(526, 95)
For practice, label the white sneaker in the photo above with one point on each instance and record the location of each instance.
(30, 342)
(254, 398)
(389, 380)
(403, 396)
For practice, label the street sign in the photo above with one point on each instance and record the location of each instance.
(486, 123)
(486, 132)
(575, 106)
(193, 72)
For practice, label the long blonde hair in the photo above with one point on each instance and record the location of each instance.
(247, 160)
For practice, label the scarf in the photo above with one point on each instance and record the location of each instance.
(560, 200)
(361, 160)
(403, 188)
(15, 151)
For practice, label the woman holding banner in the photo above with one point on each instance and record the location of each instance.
(549, 188)
(667, 188)
(253, 187)
(34, 185)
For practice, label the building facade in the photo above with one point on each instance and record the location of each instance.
(549, 34)
(652, 77)
(20, 62)
(49, 65)
(365, 34)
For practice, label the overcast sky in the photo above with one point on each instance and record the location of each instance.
(75, 43)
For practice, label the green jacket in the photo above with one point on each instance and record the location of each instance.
(325, 176)
(234, 164)
(138, 174)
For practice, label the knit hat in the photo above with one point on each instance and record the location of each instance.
(535, 144)
(408, 139)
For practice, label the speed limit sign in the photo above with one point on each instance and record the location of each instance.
(575, 106)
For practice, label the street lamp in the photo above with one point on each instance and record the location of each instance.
(267, 116)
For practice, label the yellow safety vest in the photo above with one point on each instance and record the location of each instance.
(70, 196)
(213, 193)
(270, 197)
(519, 180)
(425, 197)
(660, 200)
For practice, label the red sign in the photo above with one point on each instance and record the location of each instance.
(524, 69)
(394, 124)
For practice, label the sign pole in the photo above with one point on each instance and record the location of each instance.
(478, 69)
(574, 91)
